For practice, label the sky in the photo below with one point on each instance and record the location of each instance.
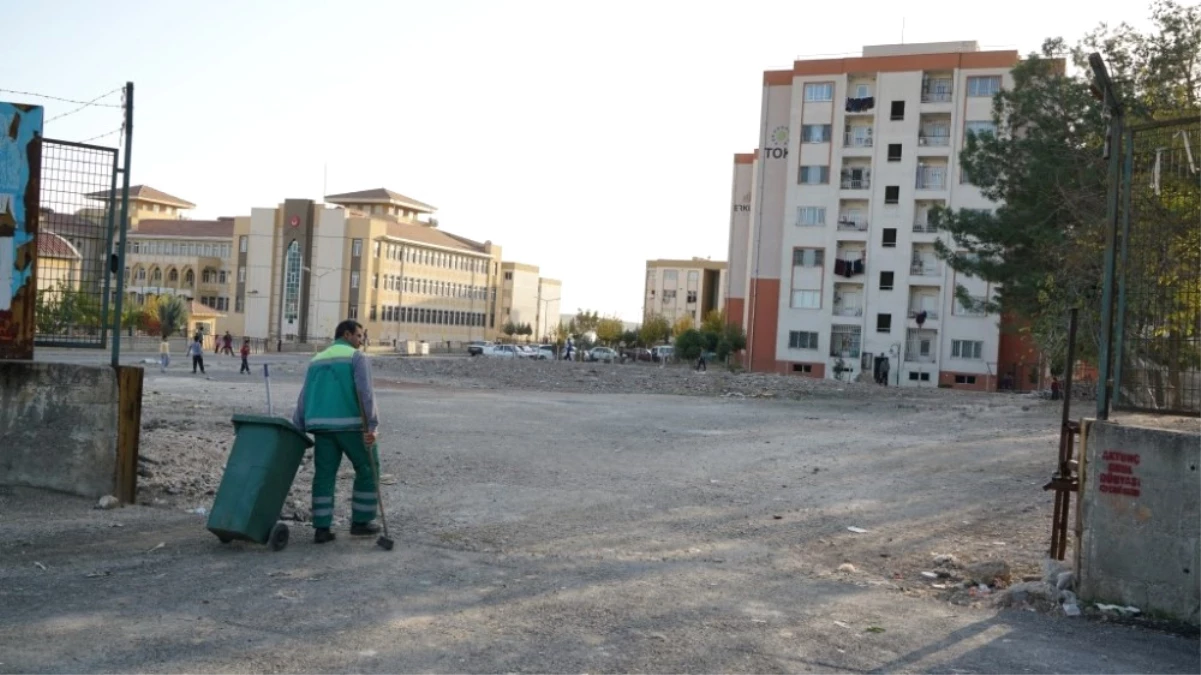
(585, 138)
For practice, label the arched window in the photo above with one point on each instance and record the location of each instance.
(189, 278)
(157, 276)
(173, 276)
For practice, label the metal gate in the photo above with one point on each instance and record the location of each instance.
(1157, 336)
(79, 204)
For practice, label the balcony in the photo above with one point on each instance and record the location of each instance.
(919, 346)
(840, 310)
(937, 87)
(856, 179)
(924, 228)
(931, 177)
(857, 137)
(931, 314)
(860, 105)
(844, 342)
(933, 140)
(924, 268)
(852, 224)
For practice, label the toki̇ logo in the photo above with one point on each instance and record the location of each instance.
(777, 143)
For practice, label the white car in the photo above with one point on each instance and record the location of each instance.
(546, 353)
(526, 352)
(501, 351)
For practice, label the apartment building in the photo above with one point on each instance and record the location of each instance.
(678, 288)
(375, 256)
(519, 293)
(738, 275)
(840, 267)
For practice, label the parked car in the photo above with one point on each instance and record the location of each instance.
(603, 354)
(476, 347)
(637, 354)
(526, 352)
(662, 353)
(501, 351)
(546, 353)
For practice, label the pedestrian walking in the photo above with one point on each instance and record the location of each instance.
(245, 351)
(196, 351)
(164, 355)
(337, 406)
(227, 344)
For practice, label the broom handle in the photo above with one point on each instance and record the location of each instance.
(372, 452)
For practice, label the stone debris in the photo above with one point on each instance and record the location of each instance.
(847, 568)
(989, 572)
(108, 502)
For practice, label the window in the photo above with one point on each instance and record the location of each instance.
(985, 85)
(157, 275)
(966, 349)
(371, 316)
(980, 128)
(356, 248)
(916, 377)
(808, 257)
(221, 277)
(802, 340)
(375, 281)
(975, 309)
(815, 133)
(892, 194)
(694, 277)
(173, 276)
(239, 305)
(863, 90)
(243, 242)
(883, 323)
(670, 275)
(898, 111)
(813, 175)
(291, 282)
(844, 341)
(691, 297)
(886, 280)
(806, 299)
(376, 246)
(802, 367)
(894, 152)
(965, 379)
(352, 312)
(818, 92)
(241, 274)
(890, 237)
(810, 215)
(354, 279)
(669, 296)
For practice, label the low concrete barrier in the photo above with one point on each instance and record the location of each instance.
(70, 428)
(1141, 517)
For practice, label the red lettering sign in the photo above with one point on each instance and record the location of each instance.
(1119, 478)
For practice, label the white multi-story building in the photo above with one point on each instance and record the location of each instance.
(840, 259)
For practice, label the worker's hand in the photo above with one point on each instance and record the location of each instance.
(369, 438)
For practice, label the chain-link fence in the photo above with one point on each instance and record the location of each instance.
(75, 242)
(1158, 324)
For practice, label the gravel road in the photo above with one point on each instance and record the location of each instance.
(555, 517)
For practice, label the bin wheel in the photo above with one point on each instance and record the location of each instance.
(279, 537)
(225, 540)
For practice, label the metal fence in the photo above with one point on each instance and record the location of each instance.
(75, 242)
(1157, 336)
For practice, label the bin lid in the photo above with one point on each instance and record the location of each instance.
(281, 422)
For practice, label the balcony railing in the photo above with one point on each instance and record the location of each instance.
(931, 178)
(936, 96)
(852, 224)
(931, 314)
(851, 140)
(860, 106)
(924, 228)
(934, 139)
(848, 311)
(861, 181)
(924, 270)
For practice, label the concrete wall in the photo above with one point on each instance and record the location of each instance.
(1141, 514)
(58, 427)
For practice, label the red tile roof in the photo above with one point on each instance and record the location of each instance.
(197, 308)
(51, 245)
(223, 228)
(146, 193)
(379, 196)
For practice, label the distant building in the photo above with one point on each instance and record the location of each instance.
(678, 288)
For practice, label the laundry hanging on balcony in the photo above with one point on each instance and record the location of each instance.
(848, 268)
(862, 104)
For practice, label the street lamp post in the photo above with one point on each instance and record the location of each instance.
(545, 321)
(319, 275)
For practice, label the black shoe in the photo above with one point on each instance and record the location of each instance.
(322, 535)
(364, 529)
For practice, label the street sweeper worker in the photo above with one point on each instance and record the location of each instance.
(336, 398)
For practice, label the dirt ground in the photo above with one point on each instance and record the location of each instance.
(555, 517)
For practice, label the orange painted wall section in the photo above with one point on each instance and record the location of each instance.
(734, 307)
(761, 338)
(983, 382)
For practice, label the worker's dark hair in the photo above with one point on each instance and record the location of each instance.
(347, 326)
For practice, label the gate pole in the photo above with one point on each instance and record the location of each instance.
(124, 224)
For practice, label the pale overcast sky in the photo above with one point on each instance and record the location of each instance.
(584, 138)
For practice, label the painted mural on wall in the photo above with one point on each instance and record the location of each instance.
(20, 168)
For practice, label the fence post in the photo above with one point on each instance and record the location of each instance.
(124, 224)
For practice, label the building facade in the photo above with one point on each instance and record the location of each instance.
(550, 293)
(374, 256)
(519, 293)
(840, 267)
(679, 288)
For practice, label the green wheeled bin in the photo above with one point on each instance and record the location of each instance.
(258, 475)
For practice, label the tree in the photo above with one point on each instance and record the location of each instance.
(509, 329)
(609, 331)
(172, 315)
(62, 310)
(689, 345)
(1043, 248)
(629, 338)
(682, 324)
(560, 335)
(732, 340)
(655, 329)
(714, 321)
(586, 321)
